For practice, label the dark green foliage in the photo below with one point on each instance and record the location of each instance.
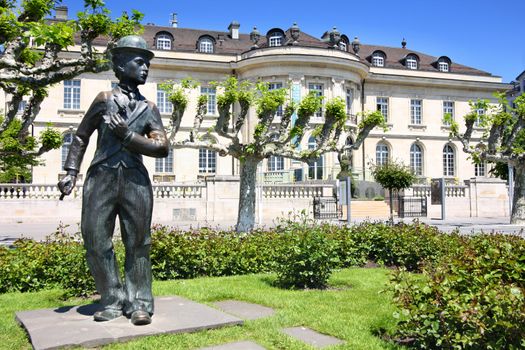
(472, 298)
(308, 257)
(58, 262)
(15, 165)
(393, 175)
(179, 254)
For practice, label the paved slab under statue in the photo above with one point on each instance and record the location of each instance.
(70, 326)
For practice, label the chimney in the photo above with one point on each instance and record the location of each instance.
(61, 13)
(234, 30)
(173, 20)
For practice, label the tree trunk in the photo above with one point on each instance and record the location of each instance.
(518, 206)
(246, 217)
(391, 200)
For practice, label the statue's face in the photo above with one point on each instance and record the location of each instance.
(135, 69)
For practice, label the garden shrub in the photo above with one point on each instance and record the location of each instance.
(57, 262)
(308, 258)
(179, 254)
(403, 245)
(472, 298)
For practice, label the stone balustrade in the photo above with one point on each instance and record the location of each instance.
(295, 190)
(34, 191)
(38, 191)
(450, 191)
(179, 190)
(167, 191)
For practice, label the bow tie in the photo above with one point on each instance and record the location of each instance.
(132, 96)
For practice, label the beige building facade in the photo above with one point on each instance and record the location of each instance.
(413, 90)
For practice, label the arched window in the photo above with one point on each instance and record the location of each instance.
(315, 167)
(164, 165)
(66, 143)
(412, 61)
(275, 37)
(378, 59)
(416, 159)
(206, 45)
(443, 64)
(382, 153)
(163, 41)
(343, 43)
(448, 161)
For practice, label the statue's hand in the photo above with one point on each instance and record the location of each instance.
(67, 184)
(118, 125)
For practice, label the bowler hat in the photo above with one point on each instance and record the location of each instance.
(132, 43)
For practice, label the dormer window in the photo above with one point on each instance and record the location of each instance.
(343, 43)
(443, 64)
(275, 37)
(411, 61)
(378, 59)
(206, 45)
(163, 41)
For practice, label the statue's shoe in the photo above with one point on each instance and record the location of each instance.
(140, 318)
(107, 315)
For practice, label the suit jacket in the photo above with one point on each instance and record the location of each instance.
(111, 151)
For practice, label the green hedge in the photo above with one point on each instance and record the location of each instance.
(60, 262)
(472, 298)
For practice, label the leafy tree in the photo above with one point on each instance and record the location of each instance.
(31, 62)
(503, 141)
(268, 138)
(18, 155)
(394, 176)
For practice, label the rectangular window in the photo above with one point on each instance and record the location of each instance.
(163, 104)
(443, 66)
(480, 170)
(207, 161)
(448, 109)
(275, 163)
(480, 112)
(275, 86)
(317, 89)
(415, 111)
(164, 165)
(349, 101)
(22, 106)
(378, 61)
(411, 63)
(276, 40)
(71, 94)
(212, 104)
(382, 106)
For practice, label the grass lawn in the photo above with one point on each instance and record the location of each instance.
(352, 310)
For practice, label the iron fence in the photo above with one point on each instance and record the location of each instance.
(327, 208)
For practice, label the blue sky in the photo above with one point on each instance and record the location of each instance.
(488, 35)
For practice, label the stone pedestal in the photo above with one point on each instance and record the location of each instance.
(74, 326)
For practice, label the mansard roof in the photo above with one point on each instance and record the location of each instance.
(185, 40)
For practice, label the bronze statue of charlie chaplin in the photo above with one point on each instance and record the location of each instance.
(117, 184)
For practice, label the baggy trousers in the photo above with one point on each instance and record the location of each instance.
(126, 193)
